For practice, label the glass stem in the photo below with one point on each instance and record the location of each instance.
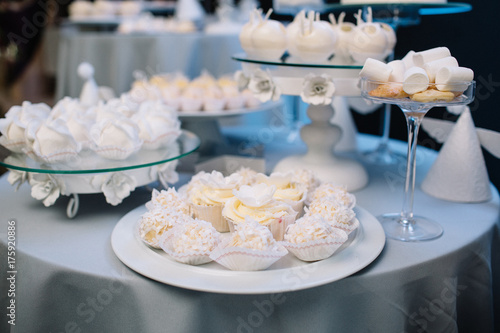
(413, 120)
(384, 141)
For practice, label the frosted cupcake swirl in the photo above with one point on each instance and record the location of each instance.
(258, 203)
(213, 189)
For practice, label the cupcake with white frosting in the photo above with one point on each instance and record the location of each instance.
(251, 247)
(208, 194)
(258, 203)
(293, 193)
(312, 238)
(191, 242)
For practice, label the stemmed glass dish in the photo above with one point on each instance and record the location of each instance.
(406, 226)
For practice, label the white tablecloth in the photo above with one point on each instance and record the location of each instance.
(115, 57)
(68, 278)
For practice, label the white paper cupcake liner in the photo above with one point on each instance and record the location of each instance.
(190, 258)
(347, 227)
(243, 259)
(319, 249)
(212, 214)
(163, 140)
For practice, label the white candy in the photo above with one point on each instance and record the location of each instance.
(448, 77)
(398, 71)
(376, 70)
(408, 59)
(434, 66)
(423, 57)
(415, 80)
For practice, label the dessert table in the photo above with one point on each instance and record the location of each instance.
(68, 279)
(115, 56)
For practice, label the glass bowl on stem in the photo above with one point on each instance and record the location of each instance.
(405, 226)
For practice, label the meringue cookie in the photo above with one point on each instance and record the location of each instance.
(52, 141)
(158, 126)
(115, 139)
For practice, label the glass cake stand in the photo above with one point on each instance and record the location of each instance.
(90, 173)
(405, 226)
(320, 136)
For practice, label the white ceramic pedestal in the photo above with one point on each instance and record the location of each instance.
(320, 137)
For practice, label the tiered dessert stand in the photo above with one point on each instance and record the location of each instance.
(320, 135)
(89, 173)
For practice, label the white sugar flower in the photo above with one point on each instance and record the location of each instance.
(263, 87)
(167, 174)
(116, 186)
(256, 195)
(242, 80)
(46, 188)
(317, 90)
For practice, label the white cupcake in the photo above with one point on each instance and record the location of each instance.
(257, 202)
(251, 247)
(191, 242)
(293, 193)
(209, 193)
(312, 238)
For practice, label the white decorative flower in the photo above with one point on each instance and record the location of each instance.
(256, 195)
(263, 87)
(16, 176)
(45, 187)
(242, 80)
(116, 186)
(167, 174)
(317, 90)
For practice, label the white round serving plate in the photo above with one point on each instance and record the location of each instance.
(287, 274)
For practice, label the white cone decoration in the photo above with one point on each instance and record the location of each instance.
(459, 172)
(189, 10)
(343, 118)
(89, 95)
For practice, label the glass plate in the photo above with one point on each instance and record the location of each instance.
(89, 162)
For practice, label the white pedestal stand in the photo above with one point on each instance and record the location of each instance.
(320, 135)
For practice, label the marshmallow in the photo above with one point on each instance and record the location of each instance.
(415, 80)
(398, 71)
(376, 70)
(434, 66)
(447, 78)
(423, 57)
(408, 59)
